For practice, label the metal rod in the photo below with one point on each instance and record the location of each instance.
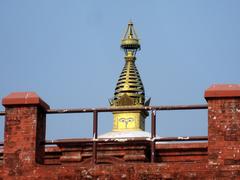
(95, 124)
(153, 135)
(153, 124)
(182, 138)
(148, 108)
(109, 140)
(2, 113)
(152, 151)
(95, 135)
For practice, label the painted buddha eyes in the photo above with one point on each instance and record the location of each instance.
(126, 121)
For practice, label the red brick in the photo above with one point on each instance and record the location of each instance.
(219, 158)
(223, 90)
(24, 98)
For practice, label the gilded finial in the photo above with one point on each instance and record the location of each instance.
(129, 83)
(130, 42)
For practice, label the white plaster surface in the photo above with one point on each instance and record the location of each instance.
(125, 134)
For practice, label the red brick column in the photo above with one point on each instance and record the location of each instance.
(223, 126)
(25, 123)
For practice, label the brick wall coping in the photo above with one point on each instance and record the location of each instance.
(24, 98)
(223, 90)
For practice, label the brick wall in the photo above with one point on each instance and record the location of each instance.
(224, 129)
(25, 157)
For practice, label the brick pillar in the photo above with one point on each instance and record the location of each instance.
(25, 124)
(223, 125)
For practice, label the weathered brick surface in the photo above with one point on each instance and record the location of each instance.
(120, 171)
(25, 158)
(224, 129)
(24, 131)
(224, 132)
(21, 141)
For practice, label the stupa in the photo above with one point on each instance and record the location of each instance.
(129, 92)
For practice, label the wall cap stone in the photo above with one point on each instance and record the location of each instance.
(223, 90)
(24, 98)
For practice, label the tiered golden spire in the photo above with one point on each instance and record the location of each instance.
(129, 90)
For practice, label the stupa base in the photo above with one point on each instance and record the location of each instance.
(126, 134)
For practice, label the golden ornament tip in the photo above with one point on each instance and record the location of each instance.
(130, 41)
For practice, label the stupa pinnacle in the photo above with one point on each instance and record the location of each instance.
(129, 90)
(129, 84)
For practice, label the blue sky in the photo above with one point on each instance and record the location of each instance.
(69, 53)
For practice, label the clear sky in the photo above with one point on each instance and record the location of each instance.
(68, 52)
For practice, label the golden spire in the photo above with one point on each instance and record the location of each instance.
(129, 90)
